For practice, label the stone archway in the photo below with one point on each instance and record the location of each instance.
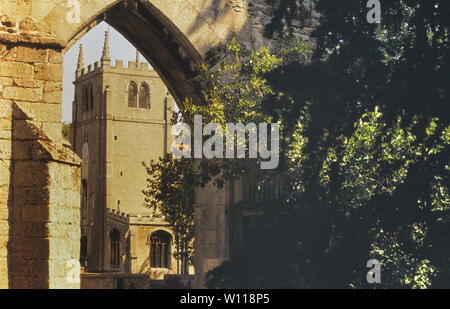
(40, 175)
(173, 35)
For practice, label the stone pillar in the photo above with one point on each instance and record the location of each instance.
(39, 174)
(212, 245)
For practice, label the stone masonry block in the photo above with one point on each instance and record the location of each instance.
(34, 195)
(4, 229)
(41, 111)
(35, 213)
(28, 54)
(53, 97)
(23, 94)
(4, 284)
(23, 150)
(5, 126)
(53, 92)
(4, 172)
(30, 248)
(55, 57)
(49, 72)
(16, 69)
(5, 81)
(31, 173)
(28, 83)
(52, 129)
(5, 149)
(22, 130)
(4, 197)
(5, 129)
(53, 87)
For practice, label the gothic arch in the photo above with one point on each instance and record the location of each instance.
(160, 243)
(87, 98)
(181, 31)
(115, 248)
(144, 96)
(132, 91)
(174, 36)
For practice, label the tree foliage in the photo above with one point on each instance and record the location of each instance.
(66, 130)
(170, 193)
(366, 153)
(365, 147)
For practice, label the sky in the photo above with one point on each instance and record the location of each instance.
(92, 42)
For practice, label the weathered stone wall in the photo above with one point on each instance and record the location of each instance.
(44, 211)
(212, 234)
(260, 14)
(39, 223)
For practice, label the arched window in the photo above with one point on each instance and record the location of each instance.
(88, 98)
(85, 193)
(83, 251)
(132, 95)
(144, 96)
(115, 248)
(160, 245)
(91, 98)
(85, 98)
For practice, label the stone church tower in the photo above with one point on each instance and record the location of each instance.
(121, 117)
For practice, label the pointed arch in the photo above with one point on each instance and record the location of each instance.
(160, 249)
(144, 96)
(88, 98)
(114, 238)
(85, 103)
(132, 94)
(83, 251)
(91, 97)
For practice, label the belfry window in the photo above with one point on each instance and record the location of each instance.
(88, 98)
(160, 245)
(144, 96)
(115, 248)
(85, 99)
(132, 95)
(84, 202)
(83, 251)
(91, 98)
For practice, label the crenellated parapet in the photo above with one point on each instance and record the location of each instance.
(126, 218)
(154, 220)
(118, 215)
(143, 69)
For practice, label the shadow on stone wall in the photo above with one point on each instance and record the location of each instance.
(44, 175)
(27, 246)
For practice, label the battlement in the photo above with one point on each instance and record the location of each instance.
(148, 220)
(132, 68)
(136, 219)
(121, 216)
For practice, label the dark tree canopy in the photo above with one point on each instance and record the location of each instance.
(366, 147)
